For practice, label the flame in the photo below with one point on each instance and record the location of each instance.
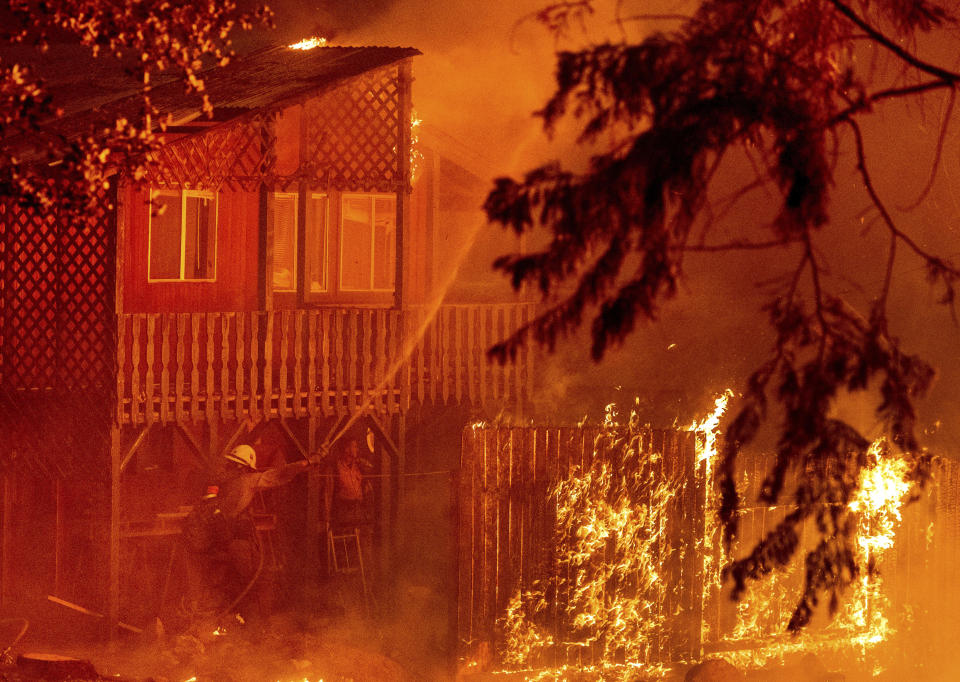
(309, 43)
(709, 545)
(862, 623)
(882, 490)
(416, 156)
(611, 537)
(612, 544)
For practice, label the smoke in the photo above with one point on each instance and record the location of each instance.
(487, 67)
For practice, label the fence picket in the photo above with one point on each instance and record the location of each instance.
(311, 362)
(210, 350)
(338, 360)
(225, 367)
(240, 369)
(270, 318)
(195, 367)
(283, 408)
(151, 330)
(325, 360)
(254, 387)
(121, 366)
(136, 397)
(179, 383)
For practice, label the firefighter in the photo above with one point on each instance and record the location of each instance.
(221, 532)
(242, 480)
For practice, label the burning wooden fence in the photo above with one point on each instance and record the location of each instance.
(508, 541)
(578, 550)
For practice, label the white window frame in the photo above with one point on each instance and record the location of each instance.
(184, 193)
(372, 196)
(326, 245)
(296, 241)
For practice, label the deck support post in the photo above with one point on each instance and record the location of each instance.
(399, 477)
(113, 579)
(213, 439)
(5, 553)
(314, 481)
(404, 82)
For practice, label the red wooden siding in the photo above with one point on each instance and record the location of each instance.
(236, 284)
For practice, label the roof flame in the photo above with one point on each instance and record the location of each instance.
(309, 43)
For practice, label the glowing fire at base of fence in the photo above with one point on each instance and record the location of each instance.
(612, 545)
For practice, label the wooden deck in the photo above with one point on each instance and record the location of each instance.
(193, 367)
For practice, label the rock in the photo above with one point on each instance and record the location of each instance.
(716, 670)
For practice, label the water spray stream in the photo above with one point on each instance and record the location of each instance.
(411, 341)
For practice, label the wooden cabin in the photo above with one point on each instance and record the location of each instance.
(274, 274)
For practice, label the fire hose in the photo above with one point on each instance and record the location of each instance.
(253, 579)
(26, 624)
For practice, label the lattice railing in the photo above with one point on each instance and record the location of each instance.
(58, 292)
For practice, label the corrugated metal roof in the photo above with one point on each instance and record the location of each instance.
(254, 81)
(270, 76)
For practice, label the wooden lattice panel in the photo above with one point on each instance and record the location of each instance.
(58, 331)
(353, 135)
(233, 156)
(57, 310)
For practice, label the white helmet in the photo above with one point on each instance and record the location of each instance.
(245, 455)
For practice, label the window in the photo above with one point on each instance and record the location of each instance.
(368, 242)
(183, 242)
(318, 211)
(282, 222)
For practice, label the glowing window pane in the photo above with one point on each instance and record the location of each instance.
(165, 220)
(356, 243)
(384, 242)
(282, 216)
(198, 245)
(317, 243)
(183, 232)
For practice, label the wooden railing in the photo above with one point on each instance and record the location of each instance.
(178, 367)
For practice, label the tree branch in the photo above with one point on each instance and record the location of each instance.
(737, 245)
(939, 155)
(887, 218)
(880, 38)
(890, 93)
